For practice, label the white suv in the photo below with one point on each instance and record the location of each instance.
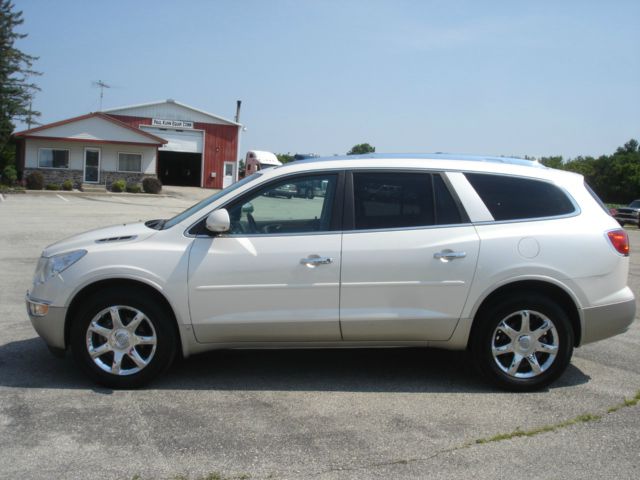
(514, 261)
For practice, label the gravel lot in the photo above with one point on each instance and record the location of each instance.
(329, 414)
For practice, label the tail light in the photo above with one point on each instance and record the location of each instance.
(620, 241)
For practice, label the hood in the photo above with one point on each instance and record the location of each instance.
(132, 232)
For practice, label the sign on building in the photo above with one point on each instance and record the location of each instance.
(159, 122)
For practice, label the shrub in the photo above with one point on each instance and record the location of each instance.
(67, 185)
(9, 175)
(118, 186)
(35, 181)
(151, 185)
(134, 188)
(52, 186)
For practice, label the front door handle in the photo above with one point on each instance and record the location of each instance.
(312, 261)
(448, 255)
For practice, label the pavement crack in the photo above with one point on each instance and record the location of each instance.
(584, 418)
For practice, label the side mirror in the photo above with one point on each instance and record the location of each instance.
(218, 221)
(247, 208)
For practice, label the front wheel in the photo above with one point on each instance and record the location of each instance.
(122, 339)
(523, 343)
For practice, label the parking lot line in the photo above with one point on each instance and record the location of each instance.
(1, 198)
(62, 198)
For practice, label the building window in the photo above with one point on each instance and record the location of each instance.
(53, 158)
(129, 162)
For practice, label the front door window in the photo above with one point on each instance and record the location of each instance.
(92, 165)
(302, 205)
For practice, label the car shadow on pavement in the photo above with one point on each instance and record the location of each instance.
(28, 364)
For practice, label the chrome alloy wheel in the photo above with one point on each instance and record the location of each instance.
(121, 340)
(525, 344)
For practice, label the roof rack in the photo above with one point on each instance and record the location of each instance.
(430, 156)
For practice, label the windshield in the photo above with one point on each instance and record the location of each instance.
(208, 201)
(635, 204)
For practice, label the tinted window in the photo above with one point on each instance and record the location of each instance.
(299, 205)
(510, 198)
(392, 200)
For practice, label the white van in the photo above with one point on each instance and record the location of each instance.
(257, 160)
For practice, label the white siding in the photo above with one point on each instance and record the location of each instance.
(178, 140)
(108, 157)
(168, 111)
(95, 128)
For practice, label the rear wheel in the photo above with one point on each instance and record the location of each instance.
(122, 339)
(523, 343)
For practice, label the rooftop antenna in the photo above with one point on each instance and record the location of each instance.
(30, 120)
(101, 85)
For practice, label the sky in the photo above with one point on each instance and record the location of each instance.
(535, 78)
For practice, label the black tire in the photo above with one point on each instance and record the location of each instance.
(155, 324)
(486, 335)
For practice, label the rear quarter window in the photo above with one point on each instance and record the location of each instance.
(515, 198)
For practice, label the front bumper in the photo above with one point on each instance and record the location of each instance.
(49, 326)
(627, 218)
(607, 320)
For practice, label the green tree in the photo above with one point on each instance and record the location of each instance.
(361, 148)
(552, 162)
(284, 157)
(615, 178)
(16, 91)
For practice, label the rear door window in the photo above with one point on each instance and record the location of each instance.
(402, 199)
(514, 198)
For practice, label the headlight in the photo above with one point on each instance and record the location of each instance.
(52, 266)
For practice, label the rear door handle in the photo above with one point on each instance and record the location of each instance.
(312, 261)
(448, 255)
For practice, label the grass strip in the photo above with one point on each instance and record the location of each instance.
(584, 418)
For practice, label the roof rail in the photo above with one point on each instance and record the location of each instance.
(430, 156)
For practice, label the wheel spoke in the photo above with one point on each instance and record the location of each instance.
(115, 317)
(117, 362)
(533, 361)
(142, 340)
(501, 350)
(100, 330)
(133, 324)
(137, 359)
(547, 348)
(541, 330)
(100, 350)
(510, 332)
(525, 327)
(515, 363)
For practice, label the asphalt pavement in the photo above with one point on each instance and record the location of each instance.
(322, 414)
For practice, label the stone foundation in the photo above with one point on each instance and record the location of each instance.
(58, 176)
(107, 178)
